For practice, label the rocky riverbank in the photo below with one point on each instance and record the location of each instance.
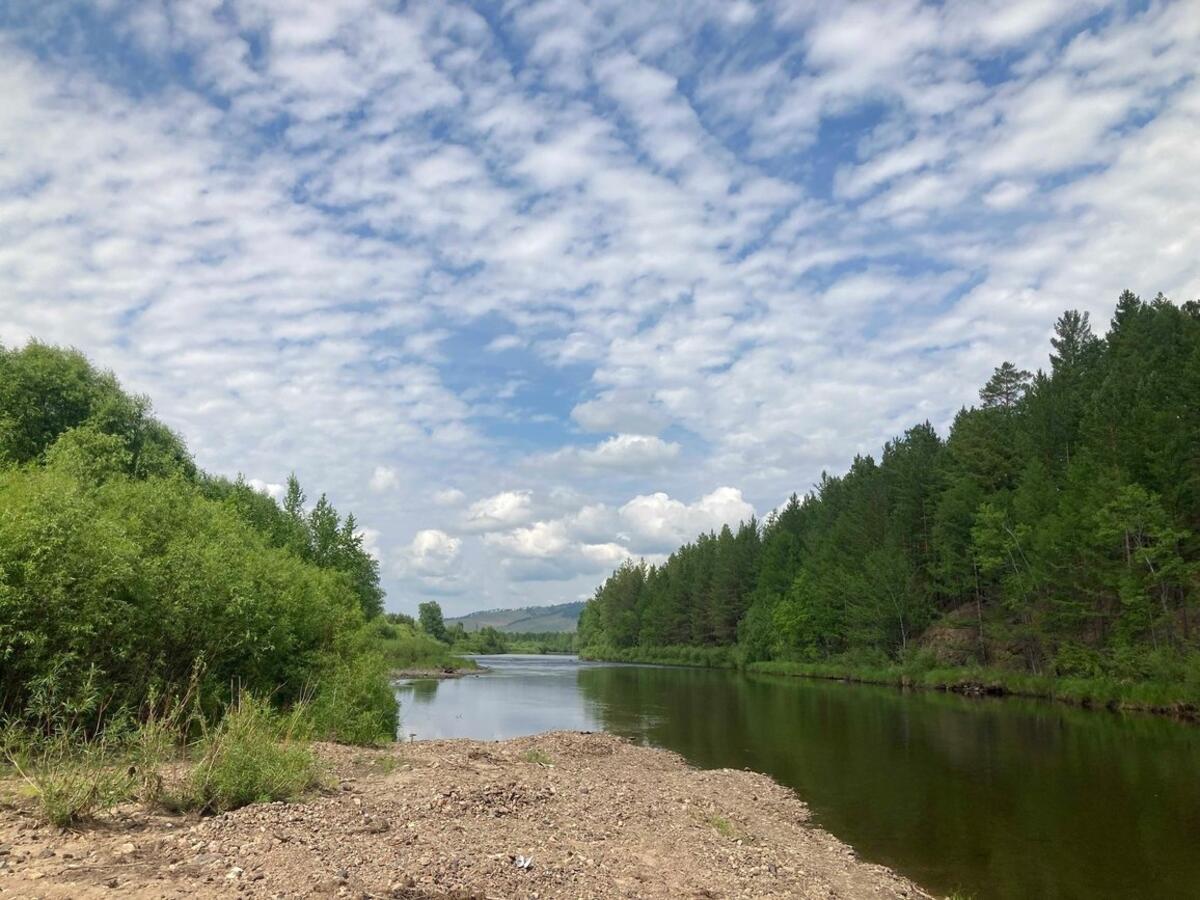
(559, 815)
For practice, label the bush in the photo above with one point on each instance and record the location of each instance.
(137, 583)
(404, 647)
(127, 575)
(354, 702)
(253, 755)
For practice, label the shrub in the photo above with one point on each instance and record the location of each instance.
(136, 583)
(405, 647)
(354, 702)
(253, 755)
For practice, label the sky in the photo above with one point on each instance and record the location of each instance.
(533, 288)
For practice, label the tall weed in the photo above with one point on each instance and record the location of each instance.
(252, 755)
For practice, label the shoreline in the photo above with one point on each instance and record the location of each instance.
(1107, 694)
(438, 673)
(554, 815)
(1090, 694)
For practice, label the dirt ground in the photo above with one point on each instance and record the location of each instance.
(560, 815)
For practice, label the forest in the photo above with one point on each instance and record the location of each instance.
(1052, 532)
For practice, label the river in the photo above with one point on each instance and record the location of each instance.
(995, 798)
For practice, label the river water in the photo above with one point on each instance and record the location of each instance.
(996, 798)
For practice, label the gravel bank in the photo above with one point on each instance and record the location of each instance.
(560, 815)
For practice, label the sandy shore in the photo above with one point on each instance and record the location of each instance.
(560, 815)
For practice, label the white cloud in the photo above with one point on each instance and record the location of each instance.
(499, 511)
(630, 451)
(432, 551)
(505, 342)
(271, 489)
(661, 523)
(620, 409)
(596, 538)
(288, 253)
(384, 478)
(449, 497)
(370, 538)
(433, 562)
(546, 551)
(1007, 194)
(627, 452)
(541, 539)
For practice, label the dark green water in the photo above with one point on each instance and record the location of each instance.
(996, 798)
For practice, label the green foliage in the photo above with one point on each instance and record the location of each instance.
(537, 758)
(538, 641)
(353, 702)
(1055, 532)
(677, 655)
(403, 647)
(320, 537)
(141, 582)
(46, 391)
(253, 755)
(429, 615)
(127, 576)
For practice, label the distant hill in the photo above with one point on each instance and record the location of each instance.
(563, 617)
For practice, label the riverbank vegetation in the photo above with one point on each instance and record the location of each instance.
(1047, 545)
(492, 640)
(441, 643)
(132, 583)
(407, 647)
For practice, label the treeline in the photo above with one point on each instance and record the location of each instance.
(488, 639)
(127, 575)
(1053, 531)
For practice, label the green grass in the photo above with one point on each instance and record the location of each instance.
(253, 755)
(71, 784)
(723, 826)
(73, 775)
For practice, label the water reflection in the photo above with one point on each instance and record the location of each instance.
(999, 798)
(421, 690)
(518, 695)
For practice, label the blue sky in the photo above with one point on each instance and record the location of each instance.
(536, 287)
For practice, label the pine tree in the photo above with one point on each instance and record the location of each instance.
(1006, 388)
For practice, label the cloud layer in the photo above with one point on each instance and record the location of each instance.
(536, 288)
